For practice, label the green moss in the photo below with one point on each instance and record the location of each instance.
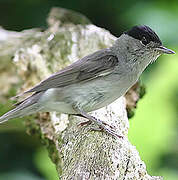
(140, 90)
(32, 128)
(53, 153)
(130, 112)
(12, 91)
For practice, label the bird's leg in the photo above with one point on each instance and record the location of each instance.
(102, 125)
(86, 123)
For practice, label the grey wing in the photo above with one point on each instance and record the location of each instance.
(90, 67)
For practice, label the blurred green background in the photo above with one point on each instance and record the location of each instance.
(153, 129)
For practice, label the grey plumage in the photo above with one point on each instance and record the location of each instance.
(87, 68)
(95, 80)
(26, 107)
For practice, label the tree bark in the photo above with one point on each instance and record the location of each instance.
(28, 57)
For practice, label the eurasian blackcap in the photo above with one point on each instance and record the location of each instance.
(95, 80)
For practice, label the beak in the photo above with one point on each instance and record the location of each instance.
(165, 50)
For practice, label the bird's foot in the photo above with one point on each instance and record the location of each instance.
(86, 123)
(102, 126)
(103, 123)
(101, 129)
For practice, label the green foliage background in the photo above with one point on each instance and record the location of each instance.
(153, 129)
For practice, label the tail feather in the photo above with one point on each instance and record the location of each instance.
(26, 107)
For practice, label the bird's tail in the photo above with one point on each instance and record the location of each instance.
(28, 106)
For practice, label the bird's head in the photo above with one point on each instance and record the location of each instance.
(145, 43)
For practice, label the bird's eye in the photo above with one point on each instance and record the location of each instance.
(144, 40)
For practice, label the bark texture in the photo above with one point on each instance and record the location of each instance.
(78, 152)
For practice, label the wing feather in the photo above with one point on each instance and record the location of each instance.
(87, 68)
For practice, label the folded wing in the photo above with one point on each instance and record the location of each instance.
(90, 67)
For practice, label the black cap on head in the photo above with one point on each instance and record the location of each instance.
(144, 34)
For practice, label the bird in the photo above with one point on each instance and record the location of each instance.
(95, 80)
